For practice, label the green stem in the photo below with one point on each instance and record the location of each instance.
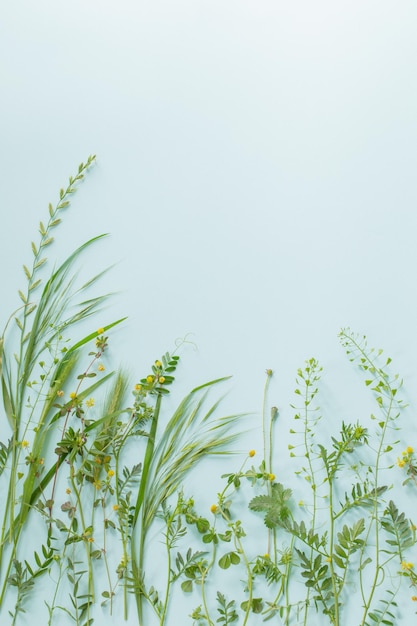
(308, 451)
(203, 585)
(168, 585)
(375, 521)
(250, 578)
(123, 533)
(137, 565)
(336, 591)
(267, 451)
(90, 587)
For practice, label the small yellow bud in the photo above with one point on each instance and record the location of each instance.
(68, 490)
(101, 367)
(138, 387)
(161, 380)
(271, 477)
(115, 507)
(409, 450)
(73, 395)
(149, 379)
(89, 403)
(110, 473)
(60, 393)
(25, 443)
(406, 565)
(414, 598)
(252, 453)
(100, 331)
(158, 363)
(213, 508)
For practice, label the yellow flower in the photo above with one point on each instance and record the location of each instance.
(414, 598)
(138, 387)
(60, 393)
(101, 367)
(107, 459)
(409, 450)
(161, 380)
(73, 395)
(90, 539)
(89, 403)
(100, 331)
(400, 462)
(115, 507)
(110, 473)
(68, 490)
(406, 565)
(213, 508)
(271, 477)
(252, 453)
(149, 379)
(158, 363)
(25, 443)
(41, 461)
(266, 555)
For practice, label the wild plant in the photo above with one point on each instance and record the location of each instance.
(343, 533)
(351, 534)
(67, 466)
(65, 462)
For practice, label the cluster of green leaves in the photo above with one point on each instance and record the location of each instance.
(68, 468)
(348, 535)
(66, 460)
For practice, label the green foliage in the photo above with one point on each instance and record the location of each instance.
(275, 505)
(101, 465)
(383, 615)
(399, 530)
(227, 610)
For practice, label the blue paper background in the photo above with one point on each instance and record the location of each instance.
(256, 172)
